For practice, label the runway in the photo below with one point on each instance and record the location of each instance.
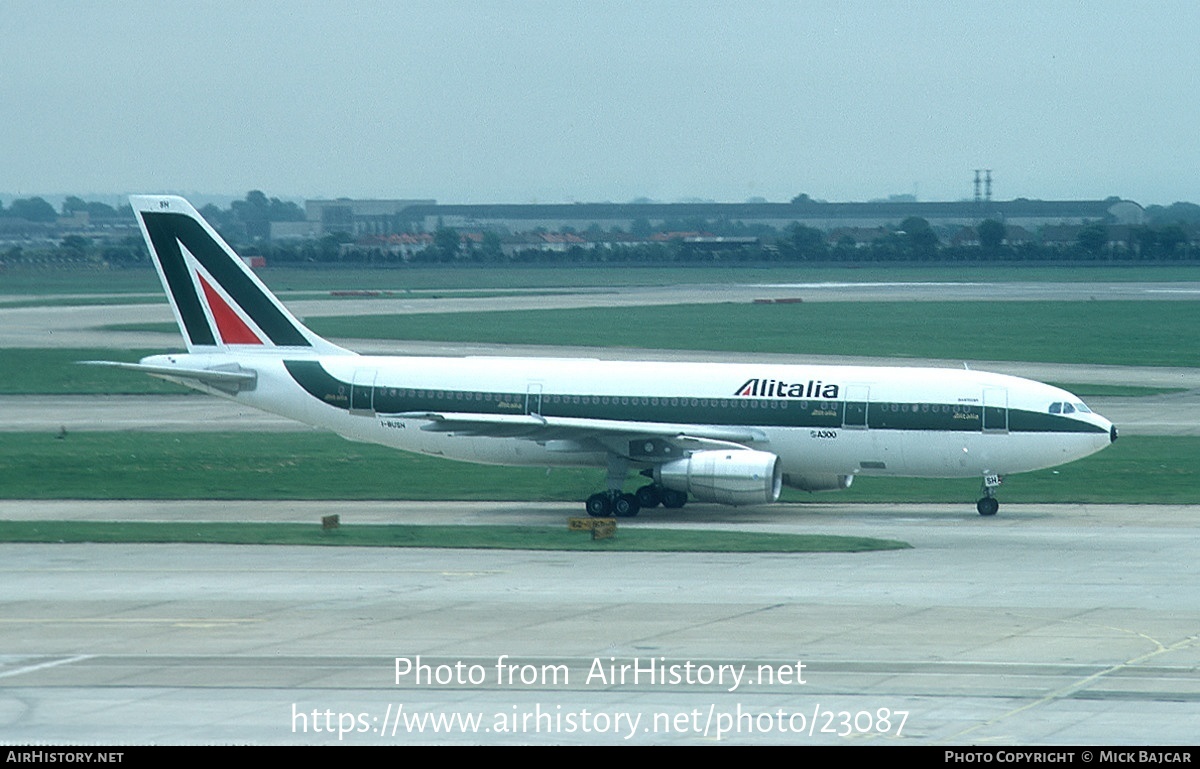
(1049, 625)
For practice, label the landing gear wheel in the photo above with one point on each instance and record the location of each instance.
(672, 499)
(599, 505)
(649, 496)
(626, 506)
(987, 506)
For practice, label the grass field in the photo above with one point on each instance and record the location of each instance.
(57, 372)
(478, 537)
(320, 466)
(1086, 390)
(1115, 333)
(33, 281)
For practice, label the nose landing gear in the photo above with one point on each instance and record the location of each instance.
(988, 504)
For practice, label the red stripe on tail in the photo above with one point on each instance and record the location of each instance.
(231, 328)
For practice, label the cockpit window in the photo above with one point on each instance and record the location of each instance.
(1082, 408)
(1068, 408)
(1055, 408)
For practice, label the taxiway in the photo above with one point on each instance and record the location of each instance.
(1049, 625)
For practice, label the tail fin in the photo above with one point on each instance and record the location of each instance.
(218, 302)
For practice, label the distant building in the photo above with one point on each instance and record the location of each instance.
(1013, 236)
(362, 217)
(402, 244)
(294, 230)
(856, 237)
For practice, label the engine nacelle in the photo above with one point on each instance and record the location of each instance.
(818, 482)
(734, 477)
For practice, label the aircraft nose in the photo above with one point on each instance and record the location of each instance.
(1112, 434)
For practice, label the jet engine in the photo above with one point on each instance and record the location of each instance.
(735, 477)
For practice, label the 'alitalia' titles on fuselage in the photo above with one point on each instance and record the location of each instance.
(777, 388)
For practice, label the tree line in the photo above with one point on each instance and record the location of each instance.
(1170, 234)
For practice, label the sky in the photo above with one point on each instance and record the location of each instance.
(527, 101)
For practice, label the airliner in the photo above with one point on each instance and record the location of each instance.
(729, 433)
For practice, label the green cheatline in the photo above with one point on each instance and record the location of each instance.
(627, 539)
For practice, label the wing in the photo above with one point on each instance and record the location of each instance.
(641, 441)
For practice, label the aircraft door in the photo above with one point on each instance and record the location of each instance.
(362, 391)
(533, 399)
(995, 410)
(858, 398)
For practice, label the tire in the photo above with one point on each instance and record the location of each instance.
(673, 500)
(987, 506)
(599, 506)
(626, 506)
(649, 496)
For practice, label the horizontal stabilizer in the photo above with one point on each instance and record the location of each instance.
(226, 378)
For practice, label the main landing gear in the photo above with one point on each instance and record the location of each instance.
(606, 503)
(988, 504)
(622, 505)
(613, 502)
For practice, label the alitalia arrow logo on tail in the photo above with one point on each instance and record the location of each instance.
(231, 328)
(777, 388)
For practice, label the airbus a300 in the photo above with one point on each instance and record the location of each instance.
(729, 433)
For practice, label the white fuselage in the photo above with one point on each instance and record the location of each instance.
(819, 420)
